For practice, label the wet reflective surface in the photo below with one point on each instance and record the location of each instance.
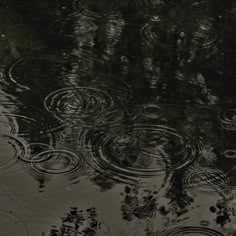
(117, 118)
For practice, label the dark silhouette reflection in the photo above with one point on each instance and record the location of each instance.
(139, 204)
(223, 213)
(180, 200)
(78, 222)
(102, 182)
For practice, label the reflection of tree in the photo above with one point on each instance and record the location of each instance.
(103, 182)
(223, 213)
(139, 204)
(179, 198)
(170, 53)
(78, 222)
(142, 204)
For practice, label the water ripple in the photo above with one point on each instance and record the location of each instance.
(228, 119)
(206, 180)
(85, 104)
(10, 76)
(35, 150)
(139, 151)
(189, 230)
(29, 128)
(112, 14)
(12, 150)
(231, 154)
(8, 124)
(8, 101)
(150, 32)
(21, 125)
(205, 35)
(84, 26)
(152, 110)
(56, 162)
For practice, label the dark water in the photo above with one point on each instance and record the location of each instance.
(118, 118)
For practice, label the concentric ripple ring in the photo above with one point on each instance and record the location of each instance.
(231, 154)
(35, 150)
(191, 230)
(228, 119)
(207, 180)
(85, 26)
(140, 151)
(11, 77)
(64, 103)
(55, 162)
(84, 104)
(12, 149)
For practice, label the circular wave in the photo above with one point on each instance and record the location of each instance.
(207, 180)
(56, 162)
(152, 111)
(205, 36)
(87, 105)
(231, 154)
(8, 124)
(20, 125)
(9, 102)
(12, 150)
(150, 32)
(10, 76)
(111, 14)
(27, 127)
(228, 119)
(10, 225)
(35, 150)
(84, 26)
(139, 151)
(191, 230)
(109, 10)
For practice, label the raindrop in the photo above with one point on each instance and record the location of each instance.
(228, 119)
(204, 223)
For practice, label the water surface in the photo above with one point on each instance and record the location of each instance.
(117, 118)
